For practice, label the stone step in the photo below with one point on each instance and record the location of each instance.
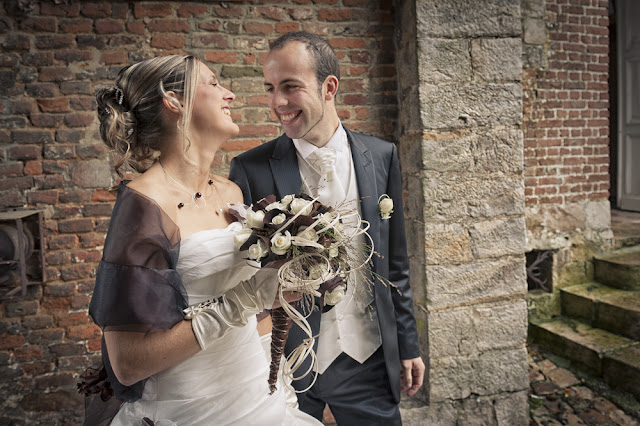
(621, 369)
(591, 349)
(619, 268)
(601, 306)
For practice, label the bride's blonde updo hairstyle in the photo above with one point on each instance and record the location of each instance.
(131, 112)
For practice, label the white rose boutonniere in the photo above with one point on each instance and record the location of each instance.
(385, 206)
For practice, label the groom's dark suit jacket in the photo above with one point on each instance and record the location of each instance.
(272, 168)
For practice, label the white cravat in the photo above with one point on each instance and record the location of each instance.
(328, 173)
(329, 189)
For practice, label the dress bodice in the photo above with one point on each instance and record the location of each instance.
(210, 264)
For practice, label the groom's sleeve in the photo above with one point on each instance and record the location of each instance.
(238, 176)
(399, 267)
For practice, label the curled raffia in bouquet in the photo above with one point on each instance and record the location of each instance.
(317, 248)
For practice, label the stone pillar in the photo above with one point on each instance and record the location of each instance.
(460, 99)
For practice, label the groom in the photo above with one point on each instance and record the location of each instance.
(368, 350)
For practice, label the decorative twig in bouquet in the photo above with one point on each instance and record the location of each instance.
(316, 247)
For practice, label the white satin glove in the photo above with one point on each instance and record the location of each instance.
(210, 320)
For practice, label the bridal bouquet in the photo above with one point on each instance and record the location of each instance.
(317, 248)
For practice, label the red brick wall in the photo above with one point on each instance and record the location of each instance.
(53, 58)
(566, 108)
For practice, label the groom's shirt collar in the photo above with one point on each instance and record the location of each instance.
(338, 141)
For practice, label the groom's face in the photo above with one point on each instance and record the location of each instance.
(295, 96)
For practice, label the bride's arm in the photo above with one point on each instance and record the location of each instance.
(136, 356)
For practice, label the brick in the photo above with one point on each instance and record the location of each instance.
(169, 41)
(71, 135)
(80, 300)
(83, 256)
(63, 241)
(136, 27)
(75, 196)
(20, 183)
(54, 41)
(43, 197)
(189, 10)
(67, 348)
(41, 90)
(240, 145)
(38, 24)
(58, 152)
(229, 11)
(54, 380)
(221, 57)
(152, 10)
(210, 40)
(286, 27)
(92, 239)
(60, 9)
(90, 40)
(73, 55)
(84, 332)
(257, 129)
(72, 318)
(10, 341)
(169, 26)
(53, 104)
(96, 10)
(37, 322)
(108, 26)
(274, 13)
(38, 368)
(83, 104)
(32, 168)
(102, 209)
(27, 353)
(335, 15)
(114, 57)
(46, 120)
(12, 121)
(23, 307)
(16, 42)
(258, 28)
(55, 74)
(78, 119)
(75, 225)
(211, 26)
(31, 136)
(37, 59)
(27, 152)
(75, 87)
(77, 271)
(75, 26)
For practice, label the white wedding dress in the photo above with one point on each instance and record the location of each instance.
(227, 383)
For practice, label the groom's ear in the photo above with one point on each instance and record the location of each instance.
(331, 84)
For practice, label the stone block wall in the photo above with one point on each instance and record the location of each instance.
(460, 101)
(566, 132)
(54, 55)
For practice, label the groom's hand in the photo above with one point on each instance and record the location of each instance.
(411, 375)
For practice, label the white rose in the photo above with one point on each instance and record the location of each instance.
(333, 251)
(275, 205)
(279, 219)
(319, 272)
(287, 199)
(300, 205)
(334, 296)
(386, 207)
(280, 243)
(308, 234)
(258, 250)
(255, 219)
(241, 237)
(325, 219)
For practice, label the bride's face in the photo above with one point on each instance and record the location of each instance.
(211, 116)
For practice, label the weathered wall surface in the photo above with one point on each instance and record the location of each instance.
(54, 56)
(460, 100)
(566, 128)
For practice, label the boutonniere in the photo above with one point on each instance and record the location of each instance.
(385, 206)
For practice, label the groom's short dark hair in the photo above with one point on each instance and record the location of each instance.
(326, 60)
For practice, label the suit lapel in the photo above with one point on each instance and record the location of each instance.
(366, 179)
(284, 167)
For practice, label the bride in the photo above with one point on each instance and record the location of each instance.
(176, 301)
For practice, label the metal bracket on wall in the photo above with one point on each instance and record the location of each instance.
(21, 252)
